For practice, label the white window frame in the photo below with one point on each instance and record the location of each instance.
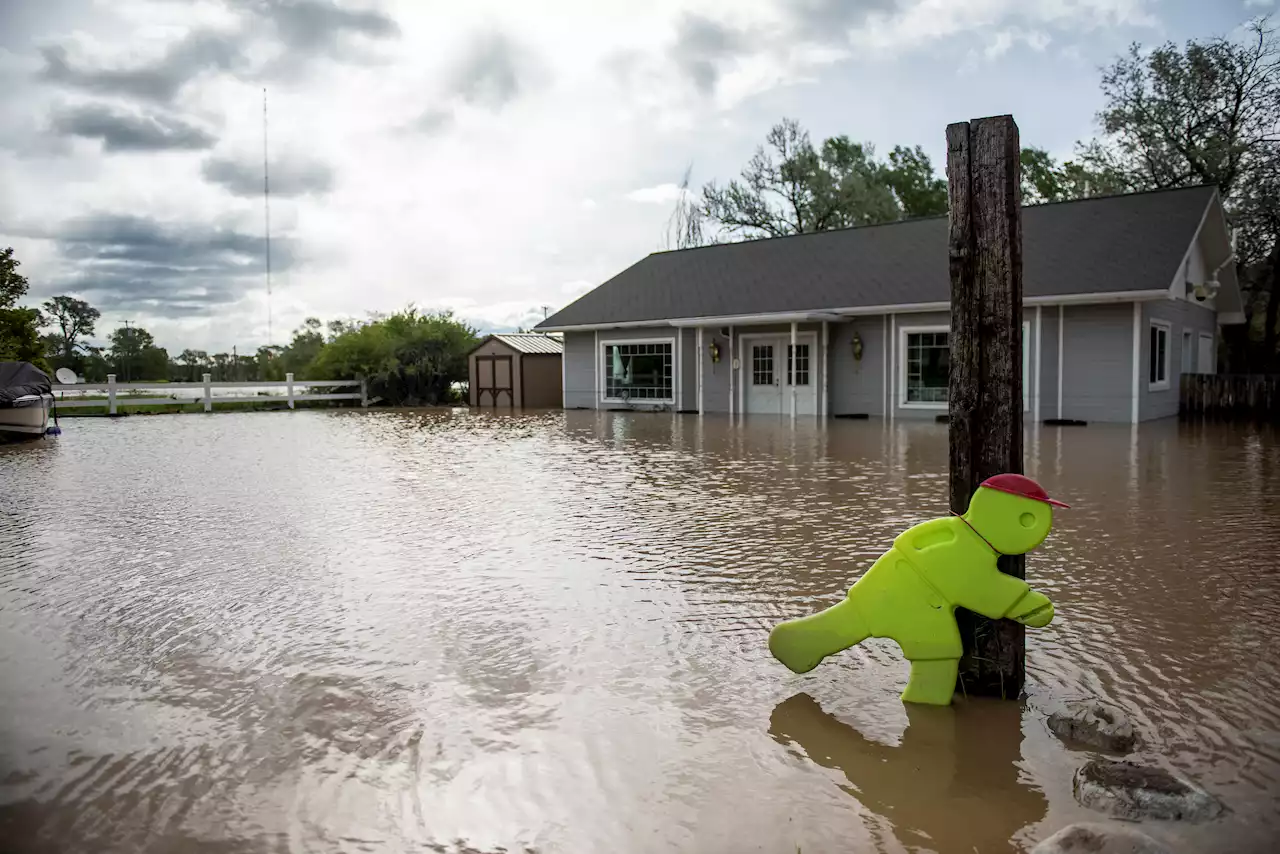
(602, 376)
(1212, 367)
(904, 331)
(1167, 328)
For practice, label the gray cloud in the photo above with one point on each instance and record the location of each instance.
(492, 71)
(135, 263)
(305, 29)
(321, 26)
(197, 54)
(125, 130)
(434, 120)
(701, 46)
(290, 177)
(831, 20)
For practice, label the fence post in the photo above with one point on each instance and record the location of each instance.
(288, 378)
(208, 393)
(111, 394)
(364, 393)
(985, 384)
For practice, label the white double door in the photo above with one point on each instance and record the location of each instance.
(771, 373)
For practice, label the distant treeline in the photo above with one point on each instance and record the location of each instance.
(408, 357)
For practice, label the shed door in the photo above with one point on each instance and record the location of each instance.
(493, 381)
(1204, 360)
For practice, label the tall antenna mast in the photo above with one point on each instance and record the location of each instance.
(266, 213)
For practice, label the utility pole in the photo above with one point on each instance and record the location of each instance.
(985, 385)
(125, 350)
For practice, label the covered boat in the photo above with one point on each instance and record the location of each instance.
(25, 397)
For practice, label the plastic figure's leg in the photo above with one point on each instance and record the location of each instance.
(802, 644)
(932, 682)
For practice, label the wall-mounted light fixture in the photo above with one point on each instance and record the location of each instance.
(857, 347)
(715, 351)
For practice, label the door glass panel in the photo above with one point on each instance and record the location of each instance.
(762, 364)
(799, 371)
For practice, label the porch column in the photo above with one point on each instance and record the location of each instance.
(1039, 375)
(826, 365)
(698, 365)
(793, 362)
(678, 368)
(733, 360)
(1060, 307)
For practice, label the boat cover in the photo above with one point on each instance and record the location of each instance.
(19, 379)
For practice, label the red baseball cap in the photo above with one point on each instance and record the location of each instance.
(1016, 484)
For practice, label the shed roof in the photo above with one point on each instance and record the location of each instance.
(1124, 243)
(529, 343)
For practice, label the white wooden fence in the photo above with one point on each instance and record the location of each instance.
(289, 384)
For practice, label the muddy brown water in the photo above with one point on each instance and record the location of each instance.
(445, 631)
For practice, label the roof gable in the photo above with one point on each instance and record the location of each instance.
(528, 343)
(1123, 243)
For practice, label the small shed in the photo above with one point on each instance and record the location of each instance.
(517, 370)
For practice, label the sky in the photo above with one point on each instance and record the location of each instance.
(492, 158)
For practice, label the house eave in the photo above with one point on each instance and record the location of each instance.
(838, 314)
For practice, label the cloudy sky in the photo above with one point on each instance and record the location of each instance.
(491, 159)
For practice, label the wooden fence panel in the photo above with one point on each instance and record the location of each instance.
(1231, 395)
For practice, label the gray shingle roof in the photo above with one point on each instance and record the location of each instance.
(531, 343)
(1114, 243)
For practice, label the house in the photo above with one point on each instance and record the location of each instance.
(1121, 296)
(516, 370)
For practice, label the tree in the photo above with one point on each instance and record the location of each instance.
(919, 190)
(134, 355)
(789, 187)
(74, 317)
(407, 357)
(1204, 113)
(19, 327)
(1045, 180)
(13, 285)
(684, 227)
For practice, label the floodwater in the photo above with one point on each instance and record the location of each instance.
(445, 631)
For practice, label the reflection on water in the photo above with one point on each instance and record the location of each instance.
(456, 631)
(950, 784)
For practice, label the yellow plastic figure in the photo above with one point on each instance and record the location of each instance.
(910, 594)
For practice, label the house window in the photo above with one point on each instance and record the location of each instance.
(638, 371)
(800, 376)
(928, 361)
(1158, 357)
(762, 364)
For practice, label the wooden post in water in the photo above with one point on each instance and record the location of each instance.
(985, 387)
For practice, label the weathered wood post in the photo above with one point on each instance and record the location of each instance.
(111, 394)
(208, 392)
(288, 378)
(985, 387)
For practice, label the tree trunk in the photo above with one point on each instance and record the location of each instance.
(985, 384)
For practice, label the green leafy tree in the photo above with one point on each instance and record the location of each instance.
(304, 348)
(1046, 180)
(920, 192)
(408, 357)
(1202, 113)
(75, 320)
(134, 356)
(19, 327)
(791, 187)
